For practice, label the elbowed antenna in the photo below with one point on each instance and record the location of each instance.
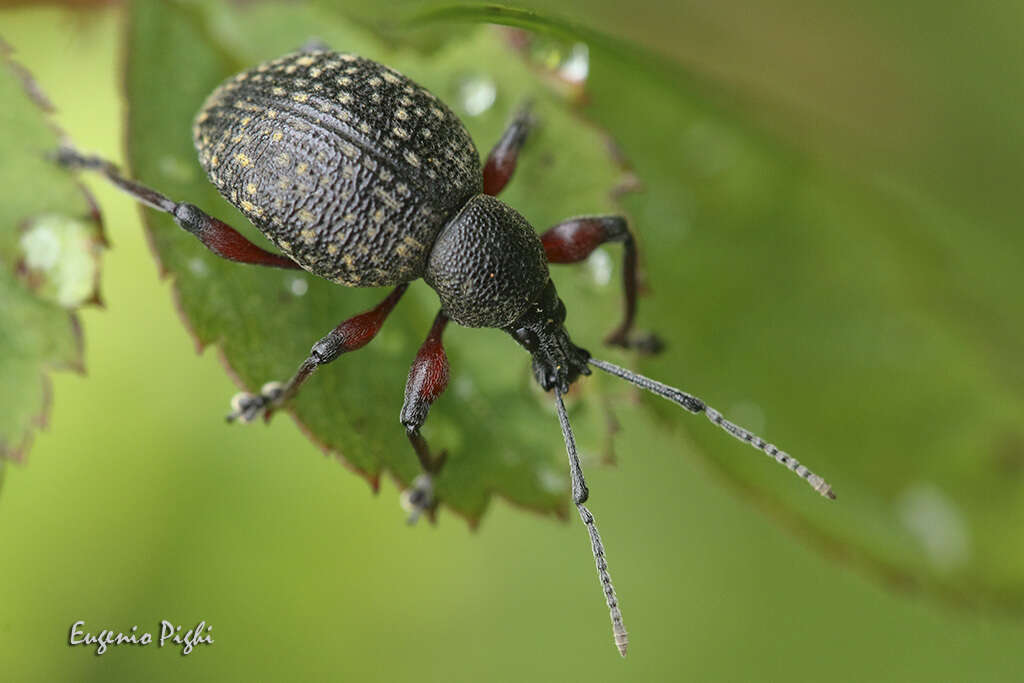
(579, 496)
(695, 405)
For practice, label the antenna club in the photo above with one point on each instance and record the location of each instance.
(622, 641)
(821, 486)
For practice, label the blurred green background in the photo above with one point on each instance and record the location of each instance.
(138, 504)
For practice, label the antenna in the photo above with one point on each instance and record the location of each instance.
(696, 405)
(579, 496)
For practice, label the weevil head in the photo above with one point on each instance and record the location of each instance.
(489, 268)
(557, 362)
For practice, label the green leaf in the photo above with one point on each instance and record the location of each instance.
(501, 433)
(864, 328)
(50, 238)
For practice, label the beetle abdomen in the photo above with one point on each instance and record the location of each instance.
(347, 166)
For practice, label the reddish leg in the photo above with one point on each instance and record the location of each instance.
(354, 333)
(428, 378)
(575, 239)
(501, 162)
(219, 237)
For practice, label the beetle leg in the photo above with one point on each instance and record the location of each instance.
(218, 236)
(575, 239)
(501, 162)
(428, 378)
(354, 333)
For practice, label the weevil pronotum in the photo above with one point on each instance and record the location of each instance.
(405, 197)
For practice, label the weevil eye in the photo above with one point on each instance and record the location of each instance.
(527, 338)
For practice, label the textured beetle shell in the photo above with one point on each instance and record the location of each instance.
(350, 168)
(488, 265)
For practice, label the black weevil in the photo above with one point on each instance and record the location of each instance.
(362, 177)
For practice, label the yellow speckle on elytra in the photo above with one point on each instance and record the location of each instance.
(243, 160)
(389, 77)
(283, 159)
(344, 97)
(302, 167)
(332, 249)
(365, 127)
(245, 121)
(305, 61)
(437, 112)
(412, 158)
(315, 73)
(214, 160)
(277, 91)
(285, 244)
(306, 216)
(308, 235)
(413, 243)
(249, 207)
(400, 132)
(378, 216)
(389, 201)
(374, 82)
(272, 113)
(348, 149)
(347, 58)
(300, 97)
(402, 114)
(277, 136)
(251, 188)
(349, 218)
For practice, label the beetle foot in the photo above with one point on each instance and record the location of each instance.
(419, 499)
(646, 343)
(246, 407)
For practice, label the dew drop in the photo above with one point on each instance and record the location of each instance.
(198, 267)
(551, 481)
(477, 94)
(600, 266)
(576, 66)
(464, 387)
(933, 519)
(298, 285)
(60, 252)
(175, 169)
